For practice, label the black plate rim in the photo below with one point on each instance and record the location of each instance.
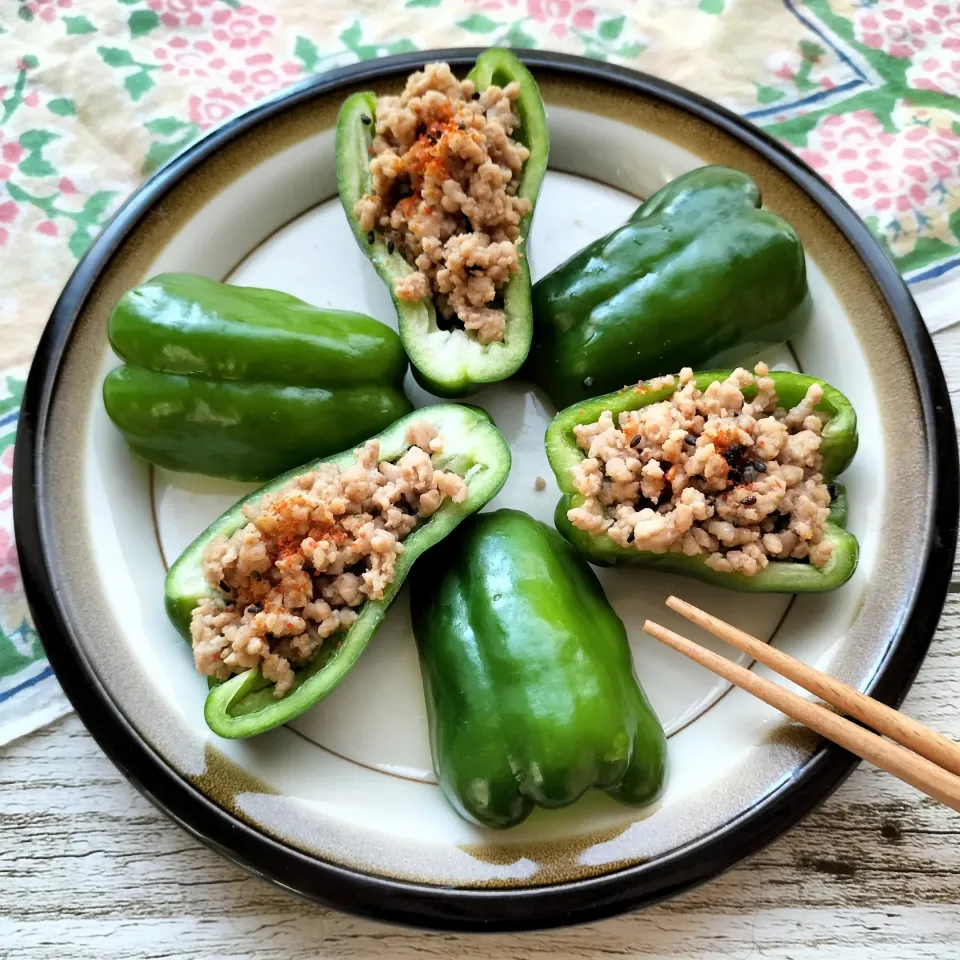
(458, 908)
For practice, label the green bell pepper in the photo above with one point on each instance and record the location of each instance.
(698, 276)
(838, 445)
(244, 705)
(244, 383)
(531, 695)
(450, 363)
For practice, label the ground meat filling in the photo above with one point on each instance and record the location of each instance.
(445, 178)
(708, 472)
(309, 557)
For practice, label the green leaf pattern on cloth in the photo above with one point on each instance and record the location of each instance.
(97, 94)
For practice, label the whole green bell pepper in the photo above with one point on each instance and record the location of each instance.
(698, 276)
(244, 383)
(450, 363)
(531, 695)
(838, 445)
(244, 705)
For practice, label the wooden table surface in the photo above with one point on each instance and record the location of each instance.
(88, 868)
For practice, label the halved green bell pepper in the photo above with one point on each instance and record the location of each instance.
(531, 694)
(838, 445)
(244, 705)
(698, 276)
(245, 383)
(450, 363)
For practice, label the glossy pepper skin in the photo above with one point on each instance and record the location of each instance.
(838, 445)
(699, 276)
(244, 705)
(451, 363)
(244, 383)
(528, 676)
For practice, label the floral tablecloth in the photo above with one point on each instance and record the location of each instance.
(96, 94)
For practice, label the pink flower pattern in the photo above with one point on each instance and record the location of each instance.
(242, 28)
(558, 16)
(227, 54)
(175, 13)
(9, 568)
(6, 478)
(9, 211)
(904, 28)
(214, 106)
(938, 73)
(561, 15)
(46, 10)
(10, 155)
(909, 180)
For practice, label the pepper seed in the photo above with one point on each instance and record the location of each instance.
(365, 120)
(749, 500)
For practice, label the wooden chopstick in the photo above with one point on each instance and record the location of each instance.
(913, 769)
(891, 723)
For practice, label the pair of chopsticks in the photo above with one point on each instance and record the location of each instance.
(920, 757)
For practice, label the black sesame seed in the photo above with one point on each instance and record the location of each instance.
(733, 454)
(371, 236)
(390, 246)
(365, 120)
(833, 491)
(254, 608)
(461, 126)
(636, 441)
(690, 440)
(224, 586)
(476, 95)
(749, 500)
(759, 465)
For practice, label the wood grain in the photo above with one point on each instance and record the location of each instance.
(88, 869)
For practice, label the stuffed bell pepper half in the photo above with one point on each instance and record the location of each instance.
(280, 596)
(439, 185)
(729, 477)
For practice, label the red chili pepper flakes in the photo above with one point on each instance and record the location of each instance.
(726, 438)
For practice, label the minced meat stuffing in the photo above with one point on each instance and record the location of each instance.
(708, 472)
(310, 555)
(445, 178)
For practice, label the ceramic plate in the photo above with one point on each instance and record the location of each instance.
(342, 804)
